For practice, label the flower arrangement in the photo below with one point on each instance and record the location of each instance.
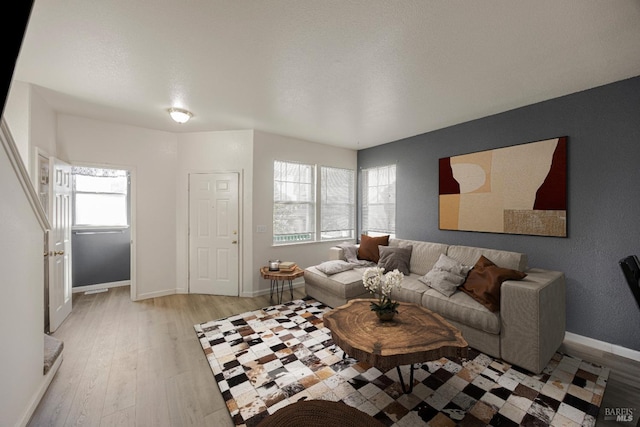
(380, 285)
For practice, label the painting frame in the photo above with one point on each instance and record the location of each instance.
(518, 189)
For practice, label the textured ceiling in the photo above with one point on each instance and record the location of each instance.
(354, 73)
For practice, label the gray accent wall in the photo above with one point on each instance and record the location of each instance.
(101, 256)
(603, 148)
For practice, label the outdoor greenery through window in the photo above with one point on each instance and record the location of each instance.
(379, 200)
(337, 208)
(294, 206)
(100, 197)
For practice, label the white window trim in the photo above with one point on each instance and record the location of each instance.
(353, 205)
(317, 234)
(364, 227)
(126, 195)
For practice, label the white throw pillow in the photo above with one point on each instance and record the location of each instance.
(334, 266)
(446, 275)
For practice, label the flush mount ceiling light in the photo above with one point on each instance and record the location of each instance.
(180, 115)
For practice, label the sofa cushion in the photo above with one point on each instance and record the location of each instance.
(484, 281)
(460, 307)
(368, 249)
(392, 258)
(334, 266)
(424, 255)
(410, 290)
(345, 285)
(469, 256)
(446, 275)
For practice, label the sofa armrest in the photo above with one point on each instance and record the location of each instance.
(533, 316)
(336, 253)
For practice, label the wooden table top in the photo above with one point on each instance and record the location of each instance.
(415, 335)
(281, 275)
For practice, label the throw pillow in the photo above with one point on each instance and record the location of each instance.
(392, 258)
(334, 266)
(350, 252)
(446, 275)
(369, 247)
(484, 281)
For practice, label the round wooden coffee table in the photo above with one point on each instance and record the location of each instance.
(415, 335)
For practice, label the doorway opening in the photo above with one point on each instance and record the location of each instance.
(101, 236)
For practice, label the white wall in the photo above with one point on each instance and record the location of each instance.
(162, 162)
(267, 148)
(230, 151)
(43, 124)
(16, 114)
(21, 300)
(153, 155)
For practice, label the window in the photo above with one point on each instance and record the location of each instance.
(294, 205)
(337, 207)
(379, 200)
(100, 197)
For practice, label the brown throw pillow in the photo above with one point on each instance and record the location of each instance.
(484, 281)
(395, 258)
(369, 247)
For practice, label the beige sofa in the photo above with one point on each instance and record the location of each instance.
(526, 331)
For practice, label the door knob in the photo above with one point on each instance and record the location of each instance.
(235, 242)
(58, 253)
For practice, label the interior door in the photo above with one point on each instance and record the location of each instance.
(60, 293)
(213, 234)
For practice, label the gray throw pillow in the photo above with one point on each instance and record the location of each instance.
(350, 252)
(446, 275)
(393, 257)
(334, 266)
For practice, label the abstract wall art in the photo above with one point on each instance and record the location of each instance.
(520, 189)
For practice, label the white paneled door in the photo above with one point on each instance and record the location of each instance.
(214, 238)
(60, 293)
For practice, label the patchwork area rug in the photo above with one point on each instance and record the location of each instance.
(268, 358)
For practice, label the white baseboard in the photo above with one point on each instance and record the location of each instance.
(101, 286)
(46, 381)
(156, 294)
(295, 285)
(603, 346)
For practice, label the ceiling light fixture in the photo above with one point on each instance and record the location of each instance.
(180, 115)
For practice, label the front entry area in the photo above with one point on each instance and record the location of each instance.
(214, 238)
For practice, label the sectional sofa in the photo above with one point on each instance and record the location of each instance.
(525, 328)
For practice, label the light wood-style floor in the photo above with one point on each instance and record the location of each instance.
(140, 364)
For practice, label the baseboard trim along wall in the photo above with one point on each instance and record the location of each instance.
(156, 294)
(602, 346)
(46, 381)
(296, 284)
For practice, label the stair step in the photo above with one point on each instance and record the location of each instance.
(52, 349)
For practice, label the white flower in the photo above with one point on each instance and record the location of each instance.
(376, 282)
(393, 278)
(371, 278)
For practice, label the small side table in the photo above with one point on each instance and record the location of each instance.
(276, 276)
